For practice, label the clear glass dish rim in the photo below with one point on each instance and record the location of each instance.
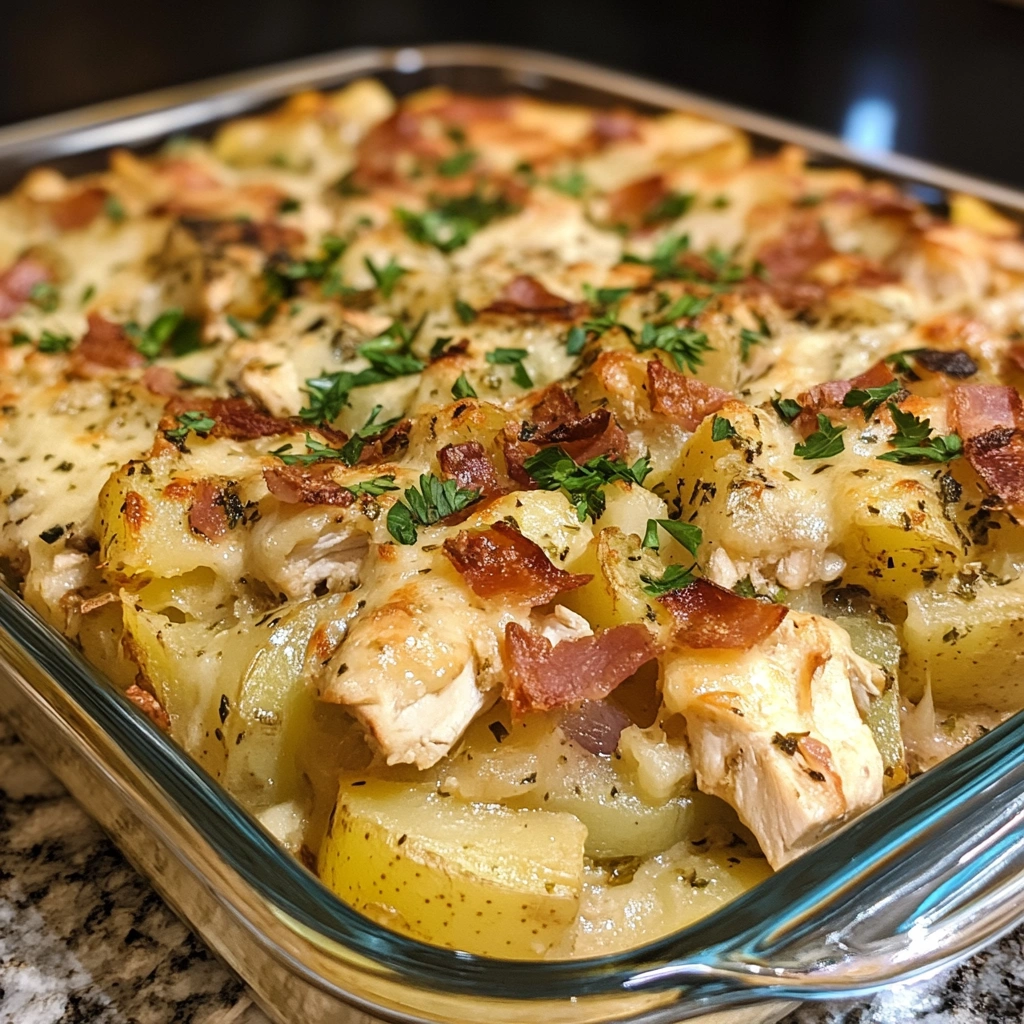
(746, 925)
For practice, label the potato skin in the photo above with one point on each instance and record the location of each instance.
(477, 877)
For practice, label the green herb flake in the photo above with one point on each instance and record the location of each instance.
(512, 357)
(50, 342)
(869, 399)
(914, 444)
(669, 207)
(192, 420)
(573, 184)
(824, 443)
(433, 501)
(458, 163)
(464, 311)
(745, 587)
(553, 469)
(377, 486)
(385, 278)
(171, 328)
(722, 429)
(450, 222)
(289, 205)
(238, 327)
(114, 209)
(44, 296)
(462, 388)
(687, 534)
(787, 408)
(675, 577)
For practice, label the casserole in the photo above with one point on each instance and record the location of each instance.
(767, 941)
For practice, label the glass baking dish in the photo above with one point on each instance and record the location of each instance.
(925, 878)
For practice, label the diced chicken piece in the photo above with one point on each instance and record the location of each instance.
(296, 551)
(262, 369)
(775, 731)
(419, 668)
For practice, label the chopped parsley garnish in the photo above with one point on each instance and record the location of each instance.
(722, 429)
(914, 442)
(114, 209)
(572, 184)
(720, 202)
(238, 327)
(554, 469)
(353, 447)
(44, 296)
(439, 346)
(375, 487)
(512, 357)
(172, 328)
(385, 278)
(283, 275)
(685, 305)
(194, 420)
(50, 342)
(451, 222)
(749, 338)
(684, 344)
(458, 163)
(462, 388)
(289, 205)
(745, 587)
(575, 340)
(669, 207)
(787, 408)
(675, 577)
(20, 338)
(869, 399)
(389, 357)
(824, 443)
(435, 500)
(687, 534)
(665, 256)
(464, 311)
(87, 293)
(316, 451)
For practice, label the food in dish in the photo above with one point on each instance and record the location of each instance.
(547, 520)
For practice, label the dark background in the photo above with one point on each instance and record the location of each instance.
(950, 71)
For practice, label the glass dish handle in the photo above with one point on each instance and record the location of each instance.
(930, 875)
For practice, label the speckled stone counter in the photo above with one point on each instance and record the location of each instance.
(84, 940)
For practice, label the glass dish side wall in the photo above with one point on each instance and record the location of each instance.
(800, 934)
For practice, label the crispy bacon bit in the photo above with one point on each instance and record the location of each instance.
(384, 448)
(380, 152)
(797, 250)
(615, 126)
(501, 562)
(524, 294)
(470, 466)
(633, 204)
(17, 282)
(956, 364)
(207, 516)
(554, 406)
(78, 209)
(161, 380)
(684, 400)
(149, 706)
(595, 725)
(707, 615)
(267, 236)
(990, 420)
(306, 485)
(542, 676)
(235, 418)
(830, 394)
(557, 420)
(105, 346)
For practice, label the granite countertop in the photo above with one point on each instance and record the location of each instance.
(84, 940)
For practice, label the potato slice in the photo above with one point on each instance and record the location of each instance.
(477, 877)
(970, 649)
